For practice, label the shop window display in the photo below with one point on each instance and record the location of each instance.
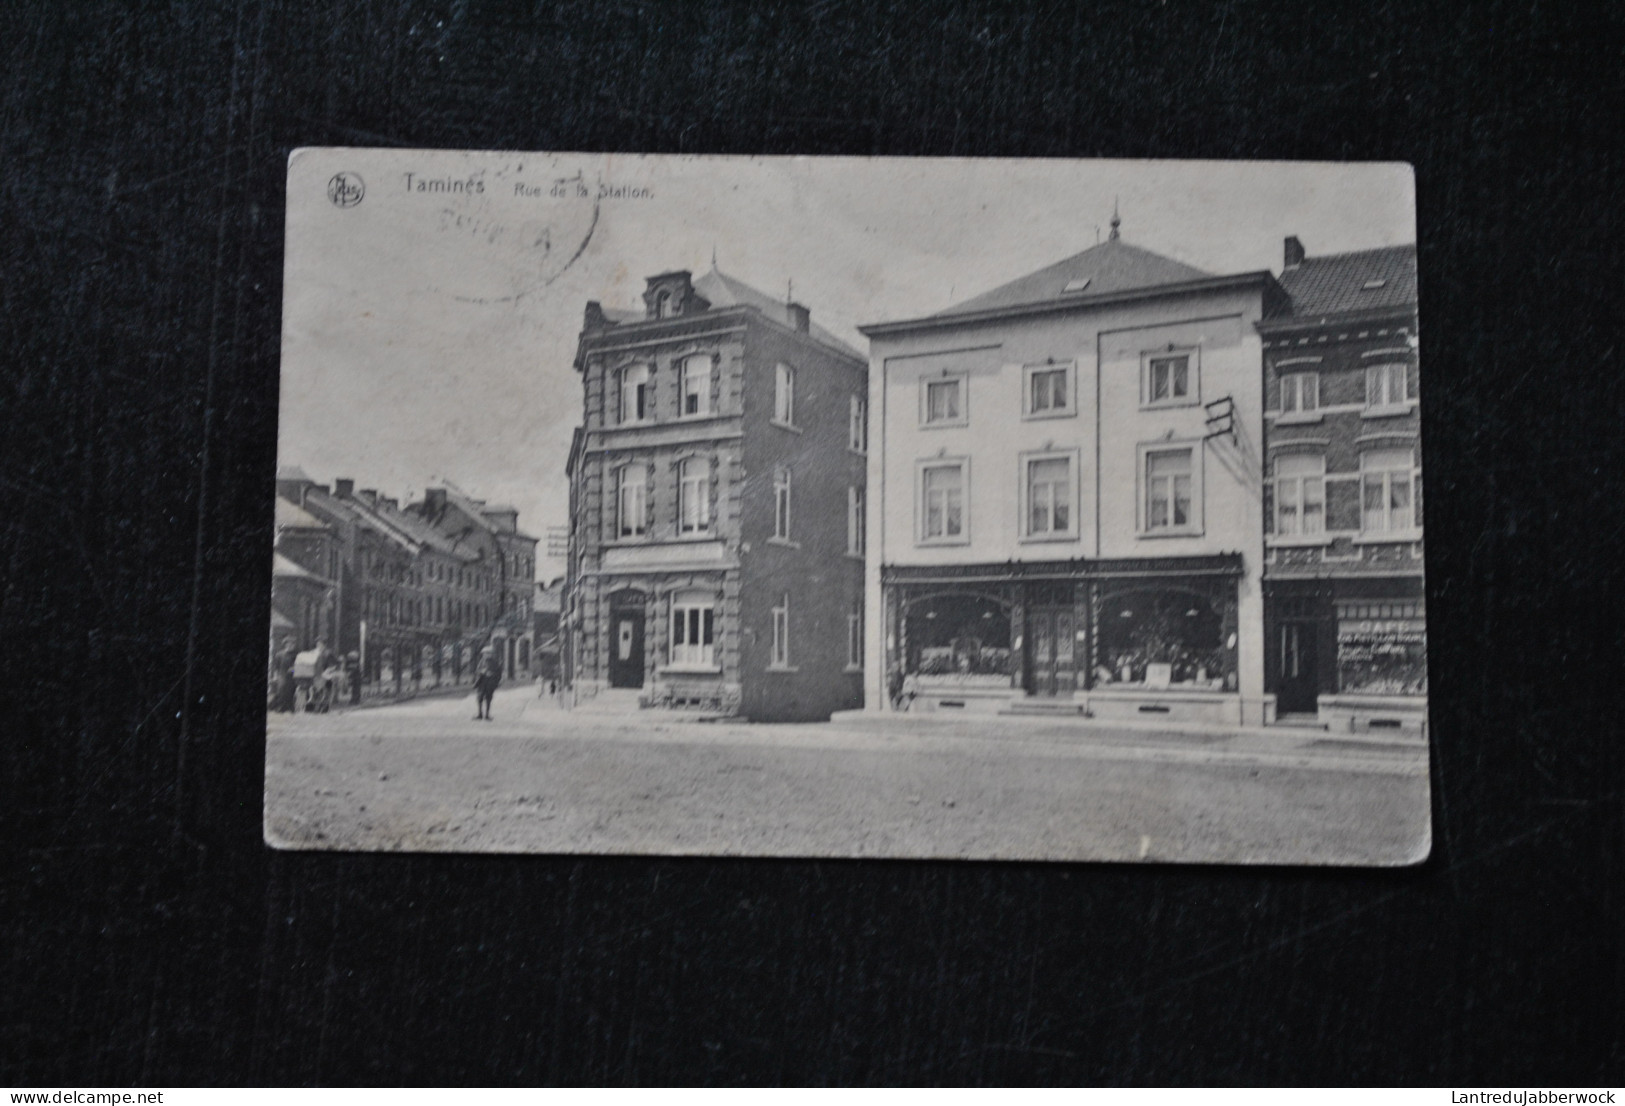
(959, 639)
(1382, 649)
(1164, 639)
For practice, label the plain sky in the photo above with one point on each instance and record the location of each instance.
(429, 328)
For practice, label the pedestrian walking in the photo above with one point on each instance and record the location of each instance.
(487, 675)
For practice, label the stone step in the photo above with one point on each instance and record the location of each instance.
(619, 700)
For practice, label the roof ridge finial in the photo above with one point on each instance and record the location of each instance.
(1117, 220)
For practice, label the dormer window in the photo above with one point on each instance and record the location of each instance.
(1372, 285)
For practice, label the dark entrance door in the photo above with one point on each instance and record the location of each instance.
(1296, 686)
(626, 641)
(1052, 667)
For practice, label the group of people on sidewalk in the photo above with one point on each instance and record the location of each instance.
(314, 680)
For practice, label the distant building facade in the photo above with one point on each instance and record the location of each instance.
(304, 579)
(1345, 613)
(414, 594)
(1065, 510)
(722, 444)
(491, 532)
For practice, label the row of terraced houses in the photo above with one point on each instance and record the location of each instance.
(1116, 487)
(409, 593)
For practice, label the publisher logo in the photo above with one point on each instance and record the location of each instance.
(346, 189)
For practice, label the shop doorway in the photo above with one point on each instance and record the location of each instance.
(1051, 654)
(626, 616)
(1296, 686)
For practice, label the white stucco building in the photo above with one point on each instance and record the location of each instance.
(1066, 508)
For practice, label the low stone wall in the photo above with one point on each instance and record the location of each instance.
(1398, 715)
(1151, 705)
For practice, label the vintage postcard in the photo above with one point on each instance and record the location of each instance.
(816, 507)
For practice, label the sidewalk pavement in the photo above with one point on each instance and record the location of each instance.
(1284, 733)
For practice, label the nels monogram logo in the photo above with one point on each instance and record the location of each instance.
(346, 189)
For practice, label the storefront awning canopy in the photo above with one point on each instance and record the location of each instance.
(1217, 564)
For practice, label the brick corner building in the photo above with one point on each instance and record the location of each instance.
(1345, 619)
(716, 506)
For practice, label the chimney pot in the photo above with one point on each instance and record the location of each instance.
(1294, 252)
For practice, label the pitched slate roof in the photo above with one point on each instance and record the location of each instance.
(291, 516)
(288, 570)
(356, 511)
(1364, 280)
(1112, 266)
(420, 530)
(723, 290)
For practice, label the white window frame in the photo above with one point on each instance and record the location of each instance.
(1192, 527)
(1193, 377)
(1293, 488)
(628, 414)
(631, 520)
(1026, 491)
(700, 365)
(1299, 397)
(856, 520)
(961, 381)
(854, 638)
(1382, 475)
(782, 487)
(857, 425)
(1029, 375)
(693, 614)
(1388, 373)
(694, 495)
(779, 643)
(922, 536)
(784, 395)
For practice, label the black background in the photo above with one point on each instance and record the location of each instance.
(149, 936)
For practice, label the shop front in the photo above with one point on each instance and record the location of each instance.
(1382, 676)
(1349, 654)
(1138, 638)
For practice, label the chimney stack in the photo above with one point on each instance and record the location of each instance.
(343, 488)
(434, 502)
(369, 496)
(1294, 252)
(800, 317)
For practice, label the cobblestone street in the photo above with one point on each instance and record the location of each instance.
(426, 776)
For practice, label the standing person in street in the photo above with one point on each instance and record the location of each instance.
(486, 677)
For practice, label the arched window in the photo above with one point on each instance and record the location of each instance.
(632, 494)
(635, 395)
(695, 388)
(694, 495)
